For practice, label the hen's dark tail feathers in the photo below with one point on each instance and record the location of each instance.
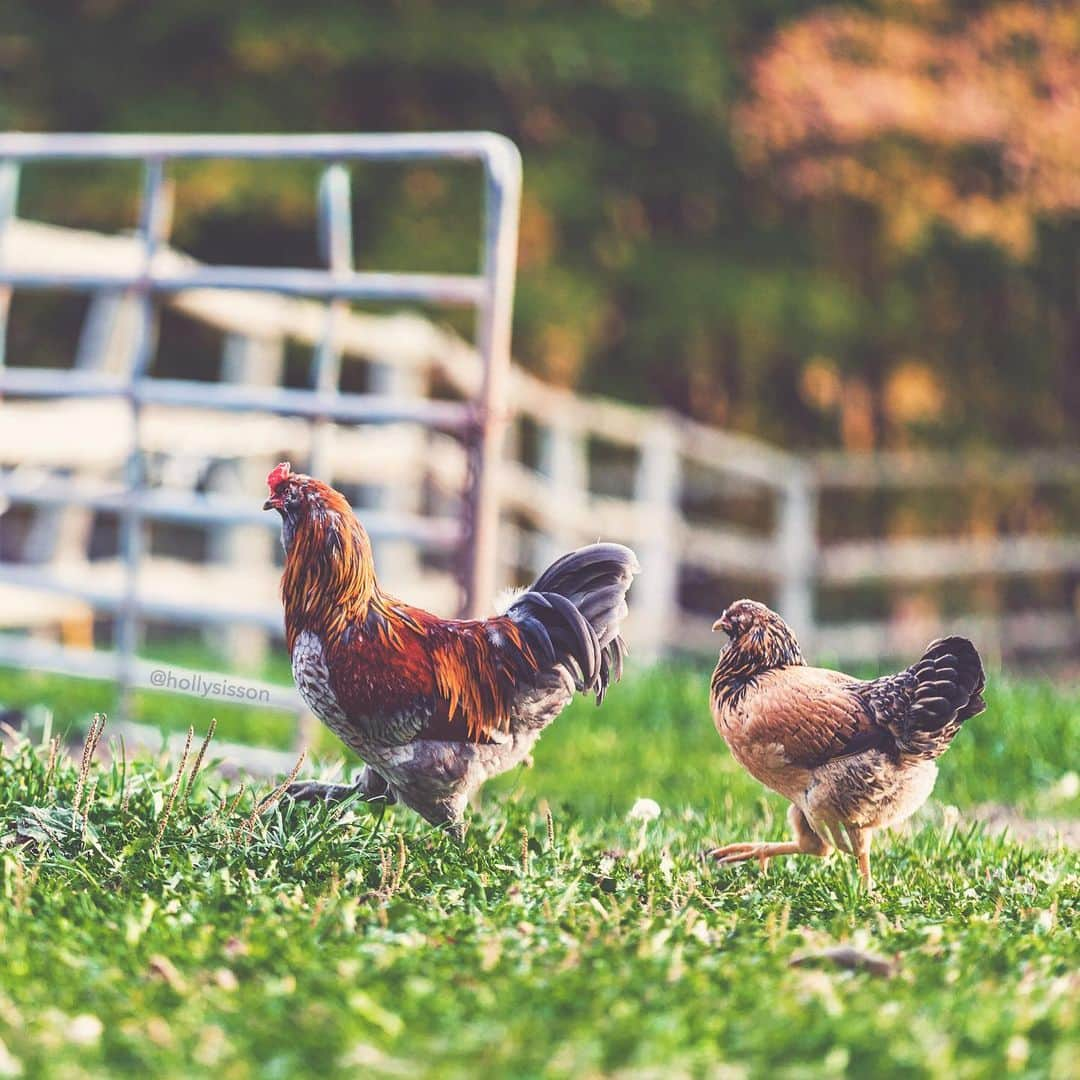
(571, 614)
(948, 685)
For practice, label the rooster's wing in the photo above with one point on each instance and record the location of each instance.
(383, 682)
(408, 674)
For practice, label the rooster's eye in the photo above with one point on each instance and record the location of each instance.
(292, 497)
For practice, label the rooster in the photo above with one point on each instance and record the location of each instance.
(851, 756)
(435, 706)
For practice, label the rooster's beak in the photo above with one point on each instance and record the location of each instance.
(272, 503)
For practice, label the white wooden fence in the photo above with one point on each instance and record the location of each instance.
(713, 515)
(694, 563)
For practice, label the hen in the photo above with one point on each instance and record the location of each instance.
(851, 756)
(435, 706)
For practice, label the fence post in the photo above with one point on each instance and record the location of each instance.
(253, 362)
(796, 543)
(564, 460)
(658, 492)
(9, 204)
(398, 560)
(155, 216)
(494, 318)
(334, 199)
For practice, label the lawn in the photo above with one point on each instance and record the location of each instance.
(144, 933)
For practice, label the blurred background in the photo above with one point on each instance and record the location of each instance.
(797, 310)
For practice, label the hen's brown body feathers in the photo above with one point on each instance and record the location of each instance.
(851, 755)
(435, 706)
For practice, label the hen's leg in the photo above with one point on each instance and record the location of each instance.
(860, 848)
(806, 842)
(370, 785)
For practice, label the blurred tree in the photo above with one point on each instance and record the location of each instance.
(971, 120)
(944, 116)
(655, 262)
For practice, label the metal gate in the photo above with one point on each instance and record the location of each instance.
(479, 422)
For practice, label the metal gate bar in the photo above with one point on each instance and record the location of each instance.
(480, 422)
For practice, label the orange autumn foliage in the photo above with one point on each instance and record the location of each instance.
(933, 115)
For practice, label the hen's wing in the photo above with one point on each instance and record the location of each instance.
(817, 715)
(811, 714)
(407, 674)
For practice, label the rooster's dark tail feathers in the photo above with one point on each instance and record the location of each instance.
(572, 613)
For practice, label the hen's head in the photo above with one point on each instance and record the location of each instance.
(759, 636)
(302, 501)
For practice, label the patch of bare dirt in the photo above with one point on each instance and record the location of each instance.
(999, 818)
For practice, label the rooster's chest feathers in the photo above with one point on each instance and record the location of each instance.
(382, 708)
(312, 677)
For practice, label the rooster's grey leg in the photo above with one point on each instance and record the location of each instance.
(447, 813)
(370, 785)
(806, 842)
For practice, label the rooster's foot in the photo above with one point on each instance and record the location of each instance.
(370, 786)
(317, 791)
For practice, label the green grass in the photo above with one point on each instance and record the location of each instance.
(72, 702)
(333, 942)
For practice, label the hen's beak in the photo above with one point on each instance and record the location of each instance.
(723, 623)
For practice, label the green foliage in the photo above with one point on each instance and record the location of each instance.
(654, 264)
(147, 934)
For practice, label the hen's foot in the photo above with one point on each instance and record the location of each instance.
(861, 843)
(864, 872)
(736, 853)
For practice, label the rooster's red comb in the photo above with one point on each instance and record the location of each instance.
(280, 472)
